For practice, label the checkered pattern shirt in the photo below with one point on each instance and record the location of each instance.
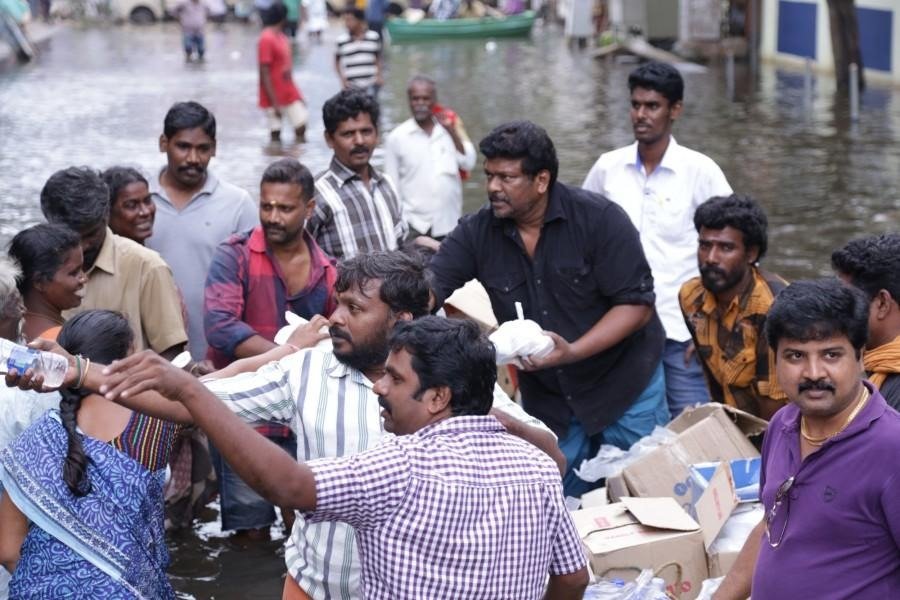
(351, 219)
(461, 509)
(334, 412)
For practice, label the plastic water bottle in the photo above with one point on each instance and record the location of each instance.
(21, 358)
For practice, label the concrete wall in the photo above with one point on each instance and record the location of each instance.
(793, 30)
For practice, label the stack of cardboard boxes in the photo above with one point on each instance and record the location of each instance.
(662, 516)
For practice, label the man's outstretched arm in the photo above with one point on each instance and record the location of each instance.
(265, 467)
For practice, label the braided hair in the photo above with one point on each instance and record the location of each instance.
(103, 336)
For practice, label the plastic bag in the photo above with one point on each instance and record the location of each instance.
(709, 588)
(518, 339)
(610, 460)
(294, 321)
(644, 587)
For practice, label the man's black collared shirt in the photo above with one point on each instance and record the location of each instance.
(588, 259)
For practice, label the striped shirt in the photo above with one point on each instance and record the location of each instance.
(460, 509)
(351, 219)
(334, 412)
(358, 58)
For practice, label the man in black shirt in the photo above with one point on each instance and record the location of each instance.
(872, 264)
(574, 261)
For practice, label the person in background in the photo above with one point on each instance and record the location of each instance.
(316, 18)
(192, 15)
(122, 274)
(254, 278)
(358, 58)
(872, 264)
(293, 18)
(357, 207)
(375, 14)
(828, 483)
(52, 278)
(18, 408)
(424, 156)
(278, 95)
(660, 184)
(574, 263)
(131, 207)
(195, 210)
(725, 308)
(82, 516)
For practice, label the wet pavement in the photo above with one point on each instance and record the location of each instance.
(97, 96)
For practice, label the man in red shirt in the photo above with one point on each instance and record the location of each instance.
(278, 95)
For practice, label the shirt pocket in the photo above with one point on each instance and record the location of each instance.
(574, 285)
(505, 289)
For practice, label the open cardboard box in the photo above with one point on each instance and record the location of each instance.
(623, 538)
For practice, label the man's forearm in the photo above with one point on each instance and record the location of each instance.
(535, 436)
(567, 587)
(266, 80)
(616, 325)
(265, 467)
(148, 403)
(253, 346)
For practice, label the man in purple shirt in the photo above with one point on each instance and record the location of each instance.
(452, 507)
(829, 480)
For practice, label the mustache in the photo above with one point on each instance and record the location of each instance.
(383, 403)
(817, 385)
(496, 197)
(336, 332)
(192, 168)
(711, 270)
(360, 150)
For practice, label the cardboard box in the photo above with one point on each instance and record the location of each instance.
(645, 533)
(709, 432)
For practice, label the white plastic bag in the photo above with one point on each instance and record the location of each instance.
(709, 588)
(610, 460)
(522, 338)
(294, 321)
(644, 587)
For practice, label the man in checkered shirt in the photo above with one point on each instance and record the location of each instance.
(452, 507)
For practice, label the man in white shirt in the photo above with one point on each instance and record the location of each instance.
(423, 157)
(660, 184)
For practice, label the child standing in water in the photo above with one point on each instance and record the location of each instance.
(192, 15)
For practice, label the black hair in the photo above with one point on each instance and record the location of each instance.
(347, 104)
(290, 170)
(738, 211)
(189, 115)
(40, 251)
(404, 286)
(872, 264)
(422, 79)
(522, 140)
(274, 14)
(116, 178)
(358, 13)
(452, 353)
(102, 336)
(816, 310)
(76, 197)
(659, 77)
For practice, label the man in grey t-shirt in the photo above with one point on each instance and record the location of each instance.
(195, 210)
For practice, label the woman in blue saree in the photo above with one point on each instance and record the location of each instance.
(82, 516)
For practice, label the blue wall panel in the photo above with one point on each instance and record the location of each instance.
(797, 28)
(875, 34)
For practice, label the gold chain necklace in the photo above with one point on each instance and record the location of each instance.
(863, 398)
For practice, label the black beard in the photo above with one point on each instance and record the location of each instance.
(363, 358)
(724, 282)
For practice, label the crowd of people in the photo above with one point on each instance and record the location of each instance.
(400, 467)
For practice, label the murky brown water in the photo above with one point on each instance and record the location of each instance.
(98, 97)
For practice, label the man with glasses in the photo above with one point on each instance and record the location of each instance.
(574, 261)
(829, 481)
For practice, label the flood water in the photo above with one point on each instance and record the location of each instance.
(98, 97)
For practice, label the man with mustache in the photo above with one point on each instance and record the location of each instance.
(256, 276)
(122, 275)
(828, 483)
(660, 183)
(574, 262)
(357, 207)
(195, 210)
(725, 307)
(328, 400)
